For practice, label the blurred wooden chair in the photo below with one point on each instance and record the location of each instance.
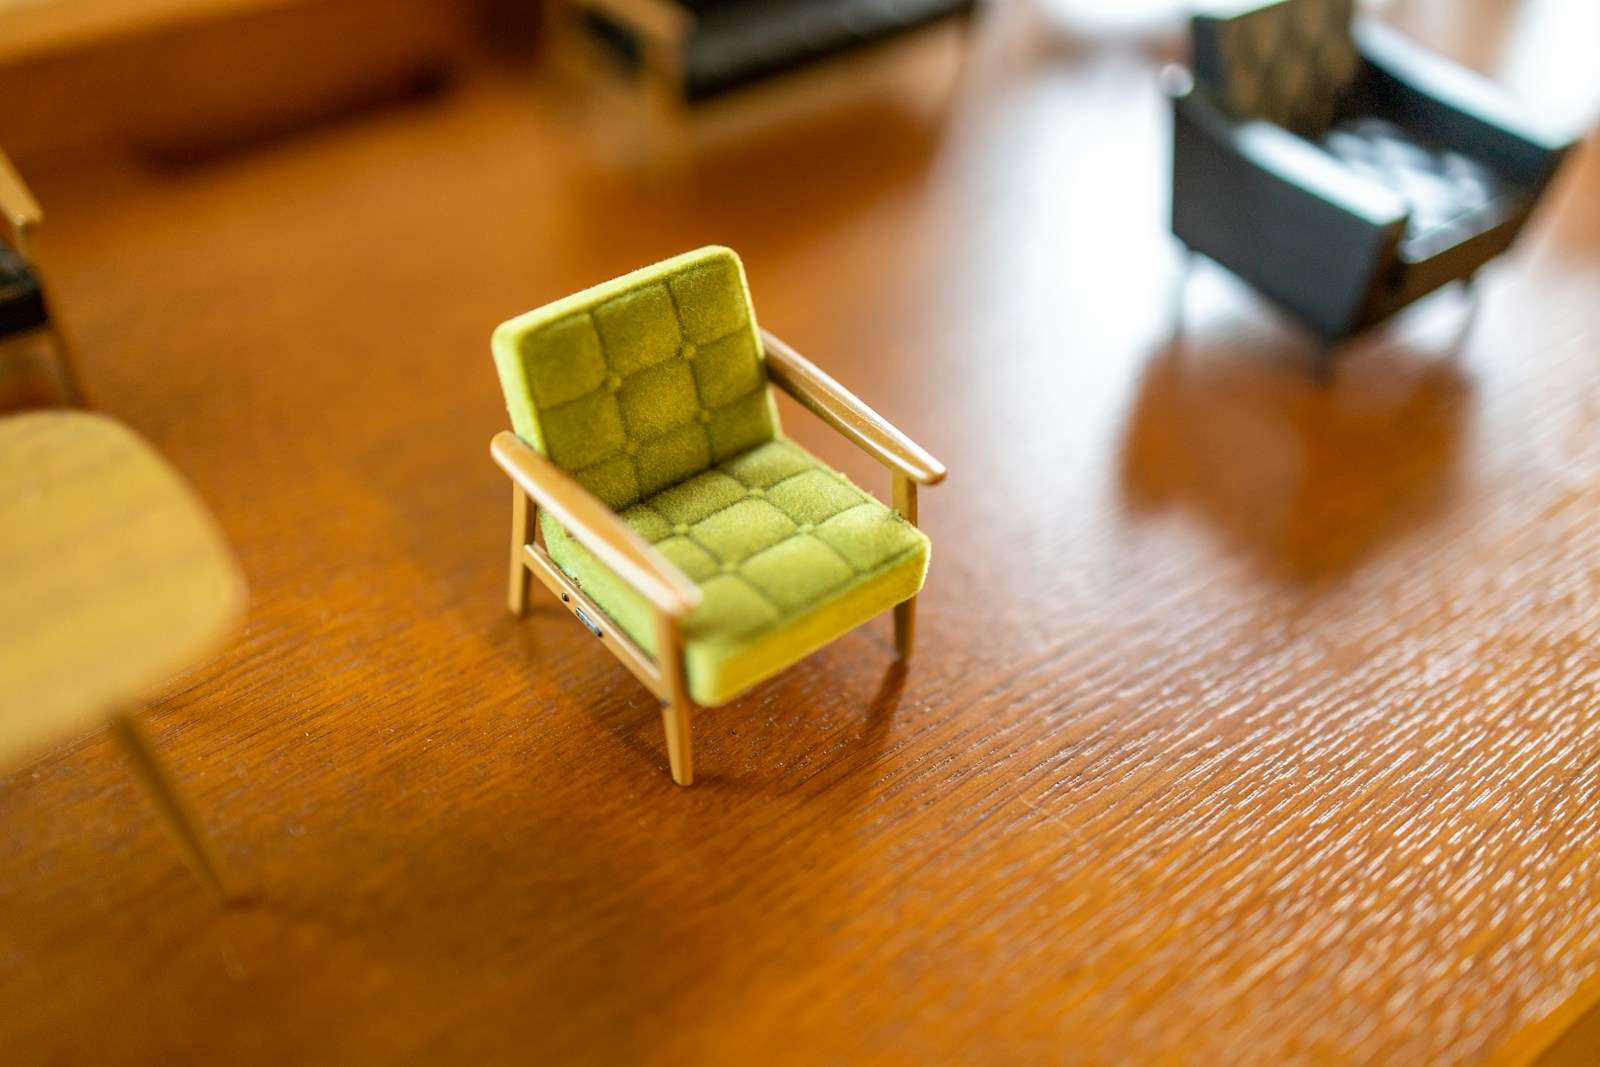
(704, 549)
(115, 579)
(30, 342)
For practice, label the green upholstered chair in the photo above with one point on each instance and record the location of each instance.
(706, 550)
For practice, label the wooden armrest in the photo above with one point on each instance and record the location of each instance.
(17, 205)
(596, 527)
(839, 408)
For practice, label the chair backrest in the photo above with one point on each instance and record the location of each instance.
(641, 382)
(1288, 62)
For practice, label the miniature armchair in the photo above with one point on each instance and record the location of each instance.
(706, 551)
(29, 338)
(1340, 169)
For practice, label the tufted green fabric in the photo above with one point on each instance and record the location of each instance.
(1288, 62)
(636, 384)
(788, 555)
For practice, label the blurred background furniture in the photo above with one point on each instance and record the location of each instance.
(31, 345)
(125, 75)
(1340, 169)
(114, 580)
(686, 51)
(703, 548)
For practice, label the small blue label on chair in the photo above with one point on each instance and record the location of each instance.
(588, 623)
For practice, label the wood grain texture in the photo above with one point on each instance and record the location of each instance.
(113, 576)
(1251, 721)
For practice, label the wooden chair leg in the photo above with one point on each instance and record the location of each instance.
(675, 704)
(521, 535)
(905, 627)
(905, 615)
(680, 749)
(175, 811)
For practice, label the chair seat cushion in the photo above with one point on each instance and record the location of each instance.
(737, 42)
(1451, 196)
(788, 555)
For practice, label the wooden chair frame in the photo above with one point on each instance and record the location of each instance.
(538, 483)
(22, 216)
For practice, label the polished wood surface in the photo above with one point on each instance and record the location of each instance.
(1252, 720)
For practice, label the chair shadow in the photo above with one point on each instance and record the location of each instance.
(1307, 478)
(725, 737)
(827, 168)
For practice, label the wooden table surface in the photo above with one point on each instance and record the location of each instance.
(1252, 721)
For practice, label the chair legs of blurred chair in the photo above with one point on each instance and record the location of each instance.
(1322, 361)
(37, 367)
(67, 370)
(174, 810)
(1178, 290)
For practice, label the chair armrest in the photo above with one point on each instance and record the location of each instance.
(1291, 219)
(596, 527)
(1426, 92)
(839, 408)
(17, 205)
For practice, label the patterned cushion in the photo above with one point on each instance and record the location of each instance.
(641, 382)
(1450, 196)
(788, 555)
(1288, 62)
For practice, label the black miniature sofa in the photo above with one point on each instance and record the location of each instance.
(704, 48)
(1339, 168)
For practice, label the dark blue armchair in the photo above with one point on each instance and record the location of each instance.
(1339, 168)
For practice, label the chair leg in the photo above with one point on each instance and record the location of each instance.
(521, 535)
(905, 627)
(905, 615)
(66, 369)
(1322, 362)
(170, 804)
(675, 704)
(680, 749)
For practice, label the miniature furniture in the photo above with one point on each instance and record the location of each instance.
(114, 580)
(692, 50)
(1340, 169)
(28, 336)
(705, 550)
